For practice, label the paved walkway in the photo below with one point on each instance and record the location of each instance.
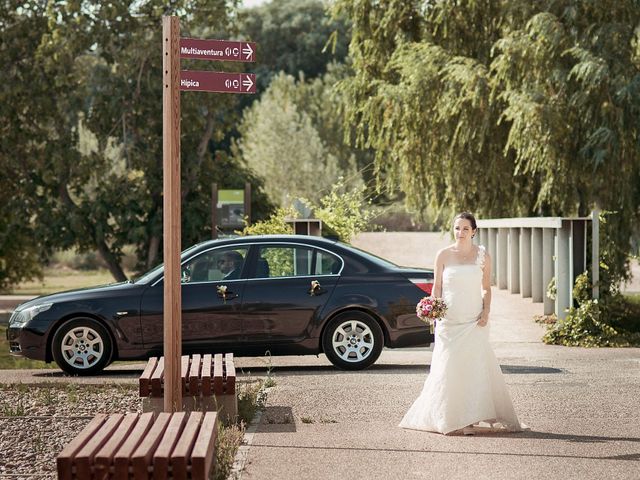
(581, 404)
(321, 423)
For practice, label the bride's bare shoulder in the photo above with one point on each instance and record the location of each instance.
(443, 253)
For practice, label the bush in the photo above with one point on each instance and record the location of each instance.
(276, 224)
(611, 321)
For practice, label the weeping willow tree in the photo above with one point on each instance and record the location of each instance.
(502, 107)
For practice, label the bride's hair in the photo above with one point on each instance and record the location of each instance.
(467, 216)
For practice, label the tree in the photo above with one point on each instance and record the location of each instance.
(82, 109)
(291, 36)
(25, 97)
(281, 142)
(505, 108)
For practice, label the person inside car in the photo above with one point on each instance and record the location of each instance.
(231, 265)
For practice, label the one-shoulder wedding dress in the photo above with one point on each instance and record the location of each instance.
(465, 384)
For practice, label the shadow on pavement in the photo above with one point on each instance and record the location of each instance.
(278, 419)
(307, 370)
(119, 373)
(631, 457)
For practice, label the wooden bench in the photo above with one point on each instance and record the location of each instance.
(208, 384)
(141, 446)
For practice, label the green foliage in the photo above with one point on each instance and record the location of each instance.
(227, 443)
(276, 224)
(81, 116)
(504, 108)
(251, 398)
(344, 211)
(282, 144)
(552, 289)
(291, 36)
(612, 320)
(588, 326)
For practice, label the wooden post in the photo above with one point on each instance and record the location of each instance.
(171, 213)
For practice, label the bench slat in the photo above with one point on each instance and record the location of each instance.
(145, 378)
(194, 375)
(104, 458)
(218, 374)
(163, 452)
(143, 454)
(184, 372)
(121, 459)
(84, 458)
(230, 371)
(156, 379)
(64, 460)
(207, 362)
(182, 450)
(202, 454)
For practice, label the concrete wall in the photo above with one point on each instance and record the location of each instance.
(411, 249)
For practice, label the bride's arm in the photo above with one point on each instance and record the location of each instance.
(486, 291)
(436, 291)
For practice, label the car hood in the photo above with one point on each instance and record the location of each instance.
(80, 293)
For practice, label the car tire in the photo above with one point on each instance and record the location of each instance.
(352, 340)
(82, 346)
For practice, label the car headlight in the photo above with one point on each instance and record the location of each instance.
(21, 317)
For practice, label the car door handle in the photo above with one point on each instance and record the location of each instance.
(224, 293)
(316, 288)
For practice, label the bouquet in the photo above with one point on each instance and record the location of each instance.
(430, 309)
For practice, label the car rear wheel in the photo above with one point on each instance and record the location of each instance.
(82, 346)
(353, 340)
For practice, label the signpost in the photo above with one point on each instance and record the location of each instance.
(174, 80)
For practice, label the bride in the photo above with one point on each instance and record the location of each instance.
(464, 389)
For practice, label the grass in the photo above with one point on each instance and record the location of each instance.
(227, 444)
(61, 279)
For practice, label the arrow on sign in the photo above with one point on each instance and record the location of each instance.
(247, 83)
(248, 51)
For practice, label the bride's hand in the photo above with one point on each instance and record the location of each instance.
(483, 320)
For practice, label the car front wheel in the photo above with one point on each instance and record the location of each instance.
(82, 346)
(353, 340)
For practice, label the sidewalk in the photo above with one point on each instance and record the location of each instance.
(581, 404)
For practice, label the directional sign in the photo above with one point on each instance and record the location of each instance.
(221, 82)
(221, 50)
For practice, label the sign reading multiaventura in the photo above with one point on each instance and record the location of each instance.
(222, 50)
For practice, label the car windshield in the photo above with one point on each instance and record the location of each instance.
(369, 256)
(153, 273)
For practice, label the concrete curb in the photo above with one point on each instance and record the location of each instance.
(242, 454)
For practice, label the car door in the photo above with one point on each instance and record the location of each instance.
(286, 290)
(212, 289)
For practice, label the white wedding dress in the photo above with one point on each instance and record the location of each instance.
(465, 384)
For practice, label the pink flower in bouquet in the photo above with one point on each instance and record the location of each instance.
(430, 309)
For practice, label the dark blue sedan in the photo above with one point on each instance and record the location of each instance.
(288, 294)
